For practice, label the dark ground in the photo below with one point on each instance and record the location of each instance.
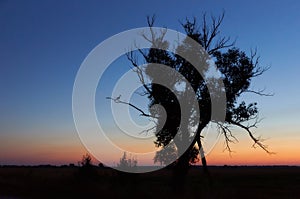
(73, 182)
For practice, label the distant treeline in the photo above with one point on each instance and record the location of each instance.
(48, 166)
(103, 166)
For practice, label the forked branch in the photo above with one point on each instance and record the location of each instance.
(138, 70)
(229, 137)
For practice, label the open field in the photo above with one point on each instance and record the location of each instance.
(225, 182)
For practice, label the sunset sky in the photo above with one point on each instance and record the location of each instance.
(43, 44)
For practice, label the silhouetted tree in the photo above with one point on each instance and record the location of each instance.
(86, 160)
(87, 170)
(127, 163)
(167, 155)
(127, 167)
(237, 71)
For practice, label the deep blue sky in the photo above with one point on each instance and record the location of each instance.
(43, 43)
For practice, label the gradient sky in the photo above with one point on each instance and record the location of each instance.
(43, 43)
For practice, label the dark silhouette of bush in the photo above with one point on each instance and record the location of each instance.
(128, 167)
(87, 171)
(101, 165)
(86, 160)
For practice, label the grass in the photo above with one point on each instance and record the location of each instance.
(226, 182)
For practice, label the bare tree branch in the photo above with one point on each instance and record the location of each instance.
(119, 101)
(222, 43)
(147, 130)
(214, 28)
(151, 20)
(257, 141)
(260, 92)
(138, 70)
(210, 34)
(142, 94)
(254, 58)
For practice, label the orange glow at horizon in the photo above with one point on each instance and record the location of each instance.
(65, 150)
(285, 153)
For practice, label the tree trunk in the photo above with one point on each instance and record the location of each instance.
(180, 171)
(202, 156)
